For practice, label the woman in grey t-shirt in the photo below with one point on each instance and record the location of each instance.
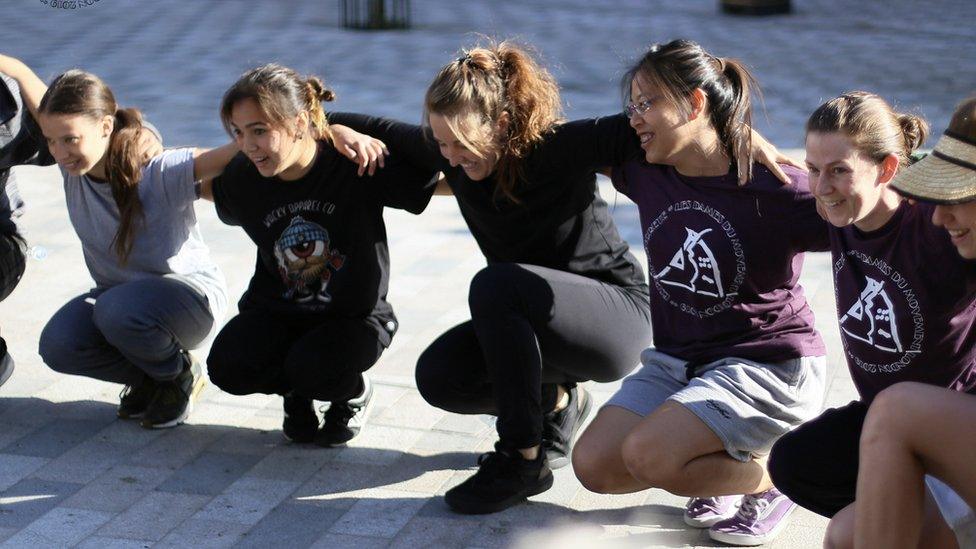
(157, 291)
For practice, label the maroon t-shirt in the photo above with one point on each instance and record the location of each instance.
(723, 262)
(905, 304)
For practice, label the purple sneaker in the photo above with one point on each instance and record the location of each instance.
(704, 512)
(759, 520)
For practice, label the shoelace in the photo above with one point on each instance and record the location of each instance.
(752, 507)
(343, 412)
(714, 503)
(492, 463)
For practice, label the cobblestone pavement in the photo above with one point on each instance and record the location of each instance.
(70, 474)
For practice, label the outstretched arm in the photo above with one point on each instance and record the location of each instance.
(209, 163)
(32, 88)
(366, 151)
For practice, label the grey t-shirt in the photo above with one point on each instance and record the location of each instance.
(20, 143)
(167, 241)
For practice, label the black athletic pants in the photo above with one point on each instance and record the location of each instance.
(816, 464)
(532, 328)
(12, 263)
(262, 352)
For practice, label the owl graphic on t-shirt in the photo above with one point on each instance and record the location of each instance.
(305, 261)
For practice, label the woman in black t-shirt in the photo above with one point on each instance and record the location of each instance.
(315, 315)
(562, 300)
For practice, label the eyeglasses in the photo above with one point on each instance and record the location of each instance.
(634, 109)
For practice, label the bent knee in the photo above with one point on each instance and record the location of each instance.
(592, 464)
(840, 534)
(650, 463)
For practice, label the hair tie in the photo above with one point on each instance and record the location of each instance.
(463, 58)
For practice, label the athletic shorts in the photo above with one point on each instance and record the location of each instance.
(748, 404)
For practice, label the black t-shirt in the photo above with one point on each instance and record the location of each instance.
(560, 221)
(321, 239)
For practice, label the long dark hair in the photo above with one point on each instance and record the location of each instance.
(678, 67)
(78, 92)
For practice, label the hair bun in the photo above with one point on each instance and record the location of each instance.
(319, 91)
(915, 130)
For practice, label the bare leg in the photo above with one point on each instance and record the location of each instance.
(911, 429)
(675, 450)
(597, 458)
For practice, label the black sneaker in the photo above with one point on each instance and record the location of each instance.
(504, 478)
(6, 363)
(559, 428)
(300, 423)
(172, 401)
(134, 399)
(343, 420)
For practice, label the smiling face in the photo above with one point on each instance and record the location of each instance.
(960, 221)
(849, 186)
(273, 149)
(459, 150)
(662, 129)
(77, 142)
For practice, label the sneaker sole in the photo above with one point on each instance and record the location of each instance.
(562, 461)
(468, 507)
(6, 368)
(745, 540)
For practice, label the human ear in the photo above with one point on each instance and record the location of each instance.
(698, 100)
(888, 168)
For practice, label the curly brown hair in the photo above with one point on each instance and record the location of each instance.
(483, 83)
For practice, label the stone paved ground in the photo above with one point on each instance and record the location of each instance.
(70, 474)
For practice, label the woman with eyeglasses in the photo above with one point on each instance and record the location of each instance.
(561, 300)
(736, 361)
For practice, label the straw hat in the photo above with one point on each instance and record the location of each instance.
(947, 176)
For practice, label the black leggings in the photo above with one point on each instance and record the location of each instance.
(12, 263)
(532, 328)
(816, 464)
(322, 359)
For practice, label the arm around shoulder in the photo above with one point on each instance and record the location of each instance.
(209, 163)
(32, 88)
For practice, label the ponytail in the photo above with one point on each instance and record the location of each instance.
(680, 67)
(123, 164)
(80, 93)
(486, 83)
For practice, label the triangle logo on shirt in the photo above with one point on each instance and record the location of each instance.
(694, 268)
(871, 318)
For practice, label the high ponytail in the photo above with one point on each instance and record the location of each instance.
(483, 83)
(281, 94)
(873, 127)
(80, 93)
(679, 67)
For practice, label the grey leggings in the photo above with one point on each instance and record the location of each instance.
(126, 332)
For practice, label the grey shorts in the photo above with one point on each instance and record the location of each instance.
(747, 404)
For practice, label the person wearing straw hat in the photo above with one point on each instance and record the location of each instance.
(898, 322)
(913, 429)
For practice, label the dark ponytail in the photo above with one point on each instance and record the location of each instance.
(679, 67)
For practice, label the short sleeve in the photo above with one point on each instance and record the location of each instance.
(224, 200)
(171, 175)
(404, 186)
(811, 231)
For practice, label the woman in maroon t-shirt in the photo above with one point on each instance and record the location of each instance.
(913, 429)
(736, 360)
(898, 322)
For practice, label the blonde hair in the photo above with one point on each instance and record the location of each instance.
(874, 128)
(281, 94)
(473, 91)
